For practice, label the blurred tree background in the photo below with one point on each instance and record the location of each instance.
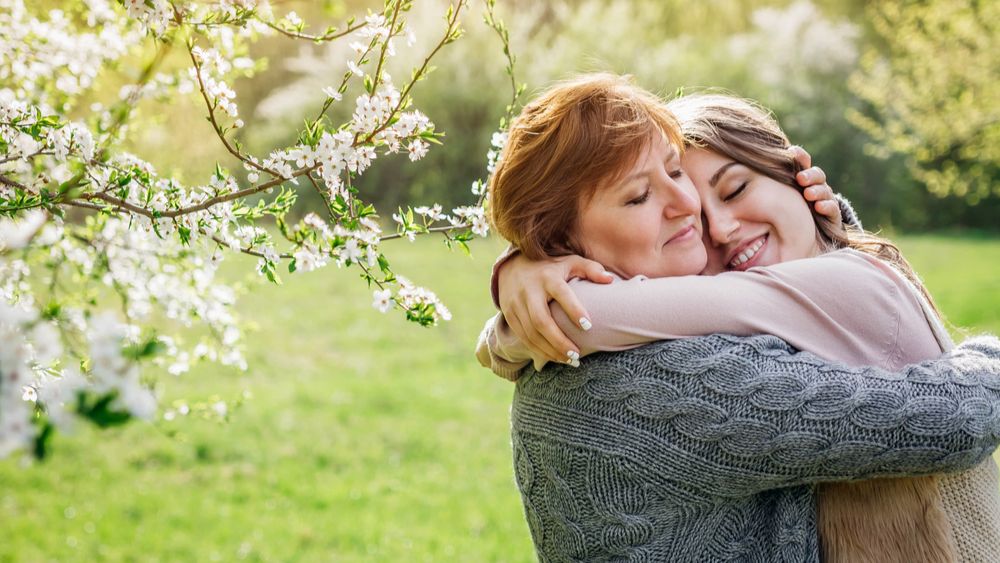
(897, 99)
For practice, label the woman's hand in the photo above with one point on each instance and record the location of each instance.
(813, 179)
(525, 289)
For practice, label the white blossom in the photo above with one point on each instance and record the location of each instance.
(417, 149)
(382, 300)
(349, 252)
(157, 243)
(331, 92)
(308, 258)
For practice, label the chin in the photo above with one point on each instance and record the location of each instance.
(712, 270)
(691, 267)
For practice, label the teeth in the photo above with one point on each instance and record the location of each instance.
(747, 254)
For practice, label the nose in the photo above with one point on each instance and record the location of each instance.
(722, 226)
(682, 200)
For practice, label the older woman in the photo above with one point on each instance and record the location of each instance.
(645, 452)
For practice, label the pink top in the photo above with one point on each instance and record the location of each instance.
(843, 306)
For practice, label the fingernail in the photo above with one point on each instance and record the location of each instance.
(573, 358)
(585, 323)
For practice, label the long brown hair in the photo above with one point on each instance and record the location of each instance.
(748, 134)
(579, 135)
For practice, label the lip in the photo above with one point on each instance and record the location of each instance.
(751, 262)
(683, 235)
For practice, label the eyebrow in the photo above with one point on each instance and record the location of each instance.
(671, 154)
(718, 173)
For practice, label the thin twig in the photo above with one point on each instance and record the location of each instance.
(329, 36)
(442, 229)
(13, 183)
(211, 116)
(247, 250)
(449, 31)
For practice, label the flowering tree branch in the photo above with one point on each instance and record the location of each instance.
(74, 205)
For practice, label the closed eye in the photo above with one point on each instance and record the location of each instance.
(676, 173)
(737, 192)
(639, 200)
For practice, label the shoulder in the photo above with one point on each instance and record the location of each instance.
(836, 268)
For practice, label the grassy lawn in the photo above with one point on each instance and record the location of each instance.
(366, 438)
(963, 276)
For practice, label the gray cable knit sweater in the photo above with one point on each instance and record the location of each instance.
(706, 449)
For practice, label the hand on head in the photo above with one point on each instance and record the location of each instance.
(817, 191)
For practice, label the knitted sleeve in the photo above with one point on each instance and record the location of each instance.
(847, 214)
(724, 417)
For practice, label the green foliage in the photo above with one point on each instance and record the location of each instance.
(804, 60)
(100, 410)
(933, 92)
(144, 349)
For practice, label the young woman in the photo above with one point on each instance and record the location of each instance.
(644, 220)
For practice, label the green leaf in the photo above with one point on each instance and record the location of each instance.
(149, 348)
(51, 310)
(97, 409)
(40, 448)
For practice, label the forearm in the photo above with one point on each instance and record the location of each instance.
(841, 307)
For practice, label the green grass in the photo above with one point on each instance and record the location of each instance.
(367, 438)
(963, 276)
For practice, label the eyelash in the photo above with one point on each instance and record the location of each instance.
(738, 191)
(676, 173)
(641, 199)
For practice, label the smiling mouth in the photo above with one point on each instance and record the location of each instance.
(744, 259)
(682, 234)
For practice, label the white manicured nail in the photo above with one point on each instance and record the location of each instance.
(573, 358)
(585, 323)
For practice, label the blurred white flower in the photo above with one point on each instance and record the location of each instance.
(382, 300)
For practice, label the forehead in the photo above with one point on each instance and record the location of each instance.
(646, 159)
(655, 152)
(704, 166)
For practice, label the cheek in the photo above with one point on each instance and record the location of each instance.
(713, 255)
(798, 226)
(635, 224)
